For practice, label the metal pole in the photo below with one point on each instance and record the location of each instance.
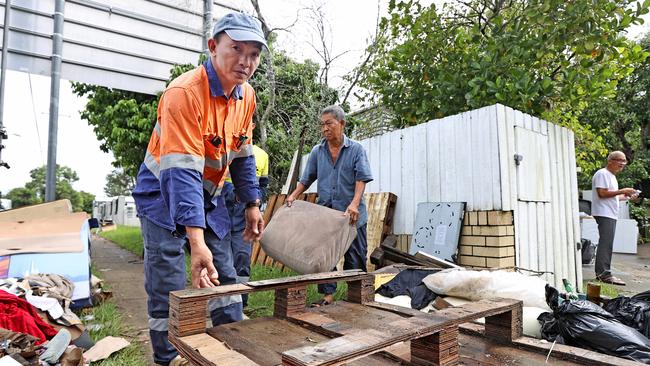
(55, 77)
(207, 25)
(3, 74)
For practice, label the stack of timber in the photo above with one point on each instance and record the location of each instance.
(359, 331)
(381, 208)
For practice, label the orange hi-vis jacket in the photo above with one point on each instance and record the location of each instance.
(199, 134)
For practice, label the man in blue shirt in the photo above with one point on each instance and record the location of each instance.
(341, 167)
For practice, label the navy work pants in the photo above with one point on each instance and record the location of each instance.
(164, 271)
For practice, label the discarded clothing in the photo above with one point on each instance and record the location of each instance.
(409, 282)
(584, 324)
(58, 287)
(18, 315)
(632, 312)
(56, 346)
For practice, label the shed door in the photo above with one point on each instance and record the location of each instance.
(533, 171)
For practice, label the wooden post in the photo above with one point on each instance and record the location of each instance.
(362, 291)
(187, 316)
(289, 301)
(439, 349)
(505, 327)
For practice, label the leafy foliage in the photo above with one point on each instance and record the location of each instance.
(298, 101)
(118, 183)
(624, 123)
(34, 190)
(549, 58)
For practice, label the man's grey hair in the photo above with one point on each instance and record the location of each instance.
(335, 111)
(614, 154)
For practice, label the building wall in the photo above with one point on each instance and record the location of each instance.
(487, 240)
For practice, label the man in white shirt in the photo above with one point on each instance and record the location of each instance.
(604, 208)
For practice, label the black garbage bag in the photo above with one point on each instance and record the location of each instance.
(584, 324)
(409, 282)
(632, 311)
(645, 296)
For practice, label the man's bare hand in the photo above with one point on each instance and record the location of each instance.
(254, 224)
(353, 212)
(289, 200)
(204, 274)
(629, 192)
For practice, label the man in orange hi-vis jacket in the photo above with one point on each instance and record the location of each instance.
(204, 126)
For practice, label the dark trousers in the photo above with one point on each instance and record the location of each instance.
(241, 256)
(355, 258)
(164, 271)
(606, 231)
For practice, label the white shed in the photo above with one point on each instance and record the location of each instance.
(470, 157)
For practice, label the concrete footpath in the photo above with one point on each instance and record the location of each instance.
(123, 273)
(634, 269)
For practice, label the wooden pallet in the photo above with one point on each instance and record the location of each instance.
(357, 331)
(381, 209)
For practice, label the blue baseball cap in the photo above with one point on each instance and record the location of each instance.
(240, 27)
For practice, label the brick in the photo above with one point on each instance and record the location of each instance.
(500, 241)
(464, 250)
(472, 240)
(473, 218)
(466, 230)
(499, 218)
(482, 218)
(495, 252)
(500, 262)
(466, 219)
(489, 230)
(510, 230)
(466, 260)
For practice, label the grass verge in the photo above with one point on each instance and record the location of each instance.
(259, 304)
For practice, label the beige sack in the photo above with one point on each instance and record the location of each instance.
(308, 238)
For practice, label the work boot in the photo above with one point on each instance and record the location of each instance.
(179, 361)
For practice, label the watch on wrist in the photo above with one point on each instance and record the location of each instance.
(256, 203)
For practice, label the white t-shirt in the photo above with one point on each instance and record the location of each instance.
(607, 207)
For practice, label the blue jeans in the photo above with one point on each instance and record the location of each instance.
(355, 258)
(164, 271)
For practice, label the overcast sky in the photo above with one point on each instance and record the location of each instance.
(27, 105)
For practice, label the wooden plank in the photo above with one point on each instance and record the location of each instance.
(419, 158)
(264, 339)
(464, 156)
(396, 182)
(573, 175)
(494, 201)
(433, 156)
(504, 157)
(356, 343)
(555, 205)
(202, 349)
(311, 278)
(570, 213)
(381, 207)
(409, 173)
(385, 155)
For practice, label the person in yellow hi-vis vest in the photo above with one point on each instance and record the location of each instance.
(241, 249)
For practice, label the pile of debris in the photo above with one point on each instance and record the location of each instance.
(37, 326)
(620, 328)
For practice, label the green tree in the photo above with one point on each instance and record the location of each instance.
(624, 123)
(34, 190)
(118, 183)
(299, 97)
(548, 58)
(22, 197)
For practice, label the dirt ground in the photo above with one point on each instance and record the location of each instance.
(634, 269)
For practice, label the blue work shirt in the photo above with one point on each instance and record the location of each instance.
(336, 181)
